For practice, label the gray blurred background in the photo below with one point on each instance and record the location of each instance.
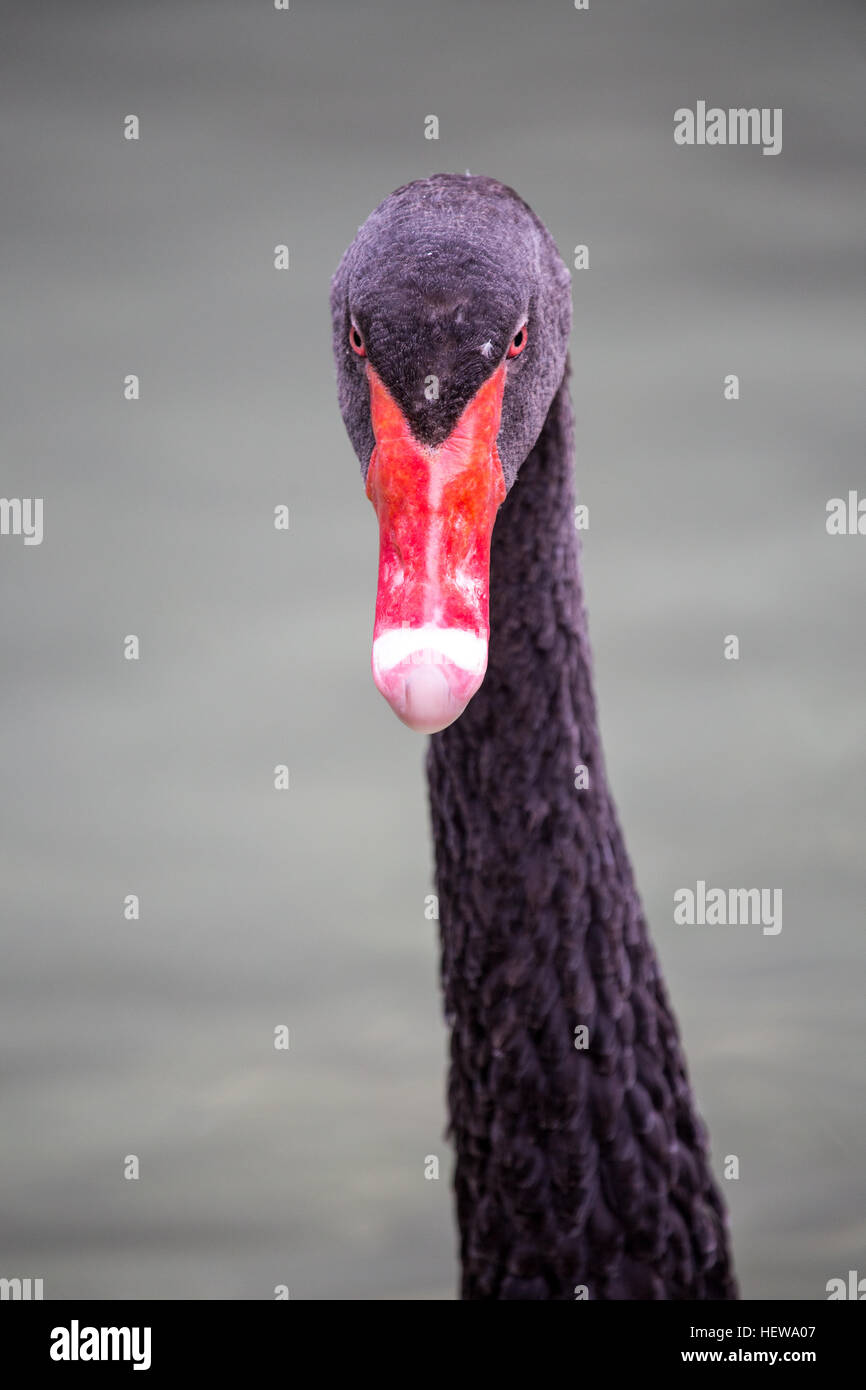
(306, 908)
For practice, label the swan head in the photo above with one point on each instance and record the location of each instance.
(451, 312)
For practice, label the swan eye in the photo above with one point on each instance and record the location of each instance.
(357, 342)
(518, 343)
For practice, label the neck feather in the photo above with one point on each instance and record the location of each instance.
(581, 1162)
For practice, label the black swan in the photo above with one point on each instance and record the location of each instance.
(582, 1168)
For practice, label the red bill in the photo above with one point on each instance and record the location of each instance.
(436, 508)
